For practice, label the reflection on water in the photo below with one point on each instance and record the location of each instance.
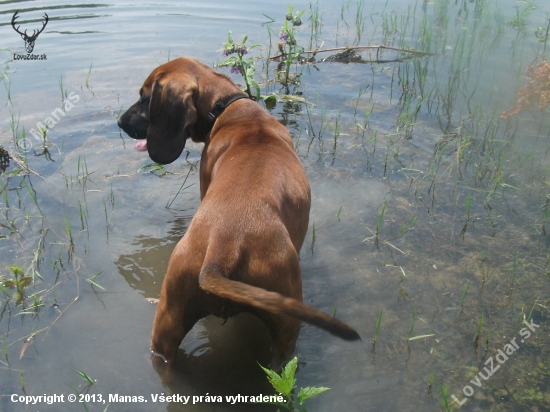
(221, 358)
(145, 267)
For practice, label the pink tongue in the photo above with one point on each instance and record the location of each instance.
(141, 146)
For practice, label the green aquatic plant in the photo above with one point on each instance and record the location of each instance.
(407, 226)
(288, 47)
(313, 237)
(412, 325)
(19, 281)
(181, 187)
(62, 89)
(479, 327)
(34, 307)
(22, 144)
(359, 21)
(447, 407)
(93, 282)
(285, 384)
(152, 168)
(464, 295)
(315, 23)
(88, 76)
(235, 53)
(82, 394)
(69, 235)
(380, 218)
(519, 21)
(7, 86)
(375, 337)
(83, 216)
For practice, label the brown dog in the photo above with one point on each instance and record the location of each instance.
(240, 252)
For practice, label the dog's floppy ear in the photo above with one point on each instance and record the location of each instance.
(172, 117)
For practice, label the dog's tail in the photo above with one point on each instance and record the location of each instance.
(211, 280)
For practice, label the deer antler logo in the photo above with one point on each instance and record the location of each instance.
(29, 40)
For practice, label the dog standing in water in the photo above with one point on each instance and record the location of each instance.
(240, 252)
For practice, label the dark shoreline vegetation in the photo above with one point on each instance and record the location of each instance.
(448, 116)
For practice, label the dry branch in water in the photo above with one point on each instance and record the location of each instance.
(379, 47)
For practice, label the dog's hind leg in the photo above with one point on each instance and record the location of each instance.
(175, 315)
(284, 332)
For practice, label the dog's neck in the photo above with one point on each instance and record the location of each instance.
(220, 106)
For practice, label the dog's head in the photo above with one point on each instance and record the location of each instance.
(165, 113)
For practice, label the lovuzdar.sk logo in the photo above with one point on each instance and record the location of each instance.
(29, 39)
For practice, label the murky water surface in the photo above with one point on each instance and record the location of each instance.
(427, 206)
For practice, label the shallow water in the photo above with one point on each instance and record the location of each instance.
(463, 233)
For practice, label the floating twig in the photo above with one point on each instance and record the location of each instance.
(314, 52)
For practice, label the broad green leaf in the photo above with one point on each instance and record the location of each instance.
(306, 393)
(280, 383)
(26, 281)
(17, 271)
(155, 166)
(287, 375)
(291, 98)
(272, 375)
(256, 87)
(230, 61)
(270, 101)
(250, 70)
(8, 283)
